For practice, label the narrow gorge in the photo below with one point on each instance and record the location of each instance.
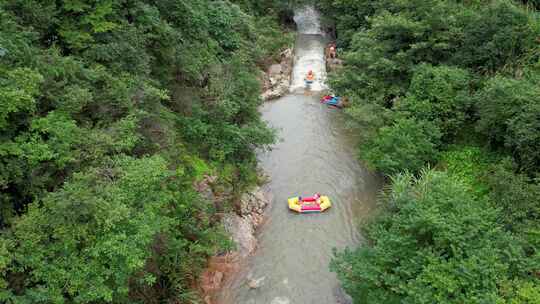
(315, 153)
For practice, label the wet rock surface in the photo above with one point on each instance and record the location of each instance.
(278, 77)
(242, 233)
(255, 283)
(241, 226)
(333, 64)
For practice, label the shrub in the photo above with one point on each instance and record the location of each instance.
(508, 111)
(493, 35)
(406, 145)
(437, 243)
(440, 95)
(517, 195)
(468, 164)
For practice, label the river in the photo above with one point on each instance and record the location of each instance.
(315, 153)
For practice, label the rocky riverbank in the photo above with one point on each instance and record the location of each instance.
(241, 225)
(276, 80)
(333, 64)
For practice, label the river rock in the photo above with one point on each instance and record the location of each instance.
(275, 93)
(255, 283)
(333, 64)
(275, 69)
(253, 202)
(242, 233)
(225, 263)
(286, 54)
(278, 77)
(242, 226)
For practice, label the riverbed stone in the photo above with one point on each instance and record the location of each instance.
(286, 54)
(255, 283)
(253, 202)
(278, 77)
(275, 69)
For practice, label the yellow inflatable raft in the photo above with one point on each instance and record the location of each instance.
(308, 205)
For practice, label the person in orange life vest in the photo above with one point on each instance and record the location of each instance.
(310, 76)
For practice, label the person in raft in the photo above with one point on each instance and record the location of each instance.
(310, 76)
(313, 199)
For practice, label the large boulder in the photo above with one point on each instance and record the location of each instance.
(275, 92)
(278, 77)
(253, 202)
(275, 69)
(286, 54)
(242, 226)
(242, 233)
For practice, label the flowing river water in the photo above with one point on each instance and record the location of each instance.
(315, 154)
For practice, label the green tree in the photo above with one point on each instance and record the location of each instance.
(105, 105)
(438, 243)
(440, 95)
(508, 111)
(494, 35)
(85, 242)
(406, 145)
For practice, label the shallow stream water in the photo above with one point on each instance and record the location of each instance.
(315, 154)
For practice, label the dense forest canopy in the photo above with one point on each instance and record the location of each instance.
(447, 97)
(110, 111)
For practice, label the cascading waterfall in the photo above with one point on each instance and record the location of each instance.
(308, 21)
(309, 51)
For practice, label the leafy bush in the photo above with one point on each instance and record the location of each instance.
(494, 35)
(468, 164)
(438, 243)
(406, 145)
(440, 95)
(87, 239)
(524, 292)
(517, 195)
(508, 111)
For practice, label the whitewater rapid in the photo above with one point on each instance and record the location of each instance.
(309, 51)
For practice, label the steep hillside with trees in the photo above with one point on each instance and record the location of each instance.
(110, 111)
(451, 85)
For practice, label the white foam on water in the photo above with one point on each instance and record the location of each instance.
(308, 21)
(280, 300)
(309, 52)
